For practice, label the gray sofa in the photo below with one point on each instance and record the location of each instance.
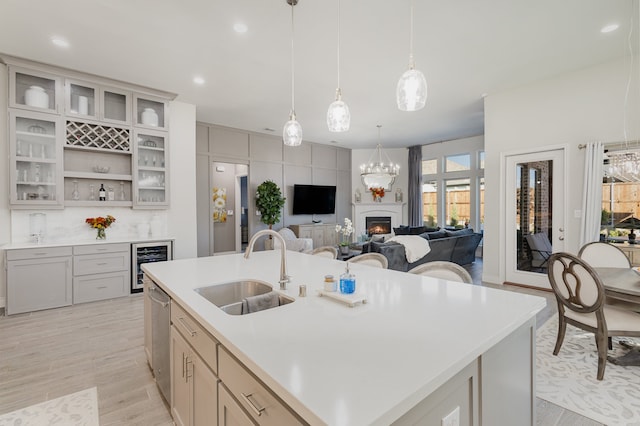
(457, 246)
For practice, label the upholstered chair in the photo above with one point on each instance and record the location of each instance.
(326, 251)
(292, 242)
(443, 269)
(371, 259)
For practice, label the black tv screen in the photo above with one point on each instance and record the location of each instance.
(314, 199)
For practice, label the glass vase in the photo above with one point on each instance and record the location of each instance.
(102, 234)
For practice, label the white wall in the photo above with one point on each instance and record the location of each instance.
(569, 109)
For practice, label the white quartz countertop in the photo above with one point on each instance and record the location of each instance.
(31, 245)
(341, 365)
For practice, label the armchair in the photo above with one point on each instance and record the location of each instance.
(293, 243)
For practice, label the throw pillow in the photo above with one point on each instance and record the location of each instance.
(401, 230)
(466, 231)
(436, 234)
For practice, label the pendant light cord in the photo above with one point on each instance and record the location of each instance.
(626, 94)
(338, 44)
(293, 75)
(411, 62)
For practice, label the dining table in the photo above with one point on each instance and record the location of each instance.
(623, 284)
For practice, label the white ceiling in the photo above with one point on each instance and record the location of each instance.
(464, 47)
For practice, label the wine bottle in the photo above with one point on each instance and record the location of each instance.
(102, 193)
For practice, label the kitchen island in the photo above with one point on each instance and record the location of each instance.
(419, 349)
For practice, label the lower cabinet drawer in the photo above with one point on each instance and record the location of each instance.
(257, 400)
(98, 263)
(89, 288)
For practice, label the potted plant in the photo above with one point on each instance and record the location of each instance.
(346, 232)
(269, 202)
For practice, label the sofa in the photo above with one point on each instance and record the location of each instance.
(458, 246)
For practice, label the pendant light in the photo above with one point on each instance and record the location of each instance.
(338, 115)
(411, 93)
(376, 173)
(292, 131)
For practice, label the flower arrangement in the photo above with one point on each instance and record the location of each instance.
(346, 231)
(377, 193)
(100, 223)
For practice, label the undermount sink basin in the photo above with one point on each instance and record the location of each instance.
(229, 296)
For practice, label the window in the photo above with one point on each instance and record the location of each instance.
(456, 163)
(620, 194)
(458, 202)
(481, 198)
(430, 203)
(481, 160)
(430, 167)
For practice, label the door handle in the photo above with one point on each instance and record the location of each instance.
(561, 229)
(561, 238)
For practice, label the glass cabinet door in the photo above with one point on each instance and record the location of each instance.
(150, 160)
(35, 156)
(81, 99)
(150, 113)
(34, 90)
(116, 106)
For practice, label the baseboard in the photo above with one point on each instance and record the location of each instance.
(492, 279)
(3, 302)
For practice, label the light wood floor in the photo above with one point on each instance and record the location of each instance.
(48, 354)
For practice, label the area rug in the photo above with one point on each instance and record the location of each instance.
(569, 379)
(75, 409)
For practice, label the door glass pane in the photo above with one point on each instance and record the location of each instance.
(534, 188)
(481, 197)
(430, 203)
(458, 202)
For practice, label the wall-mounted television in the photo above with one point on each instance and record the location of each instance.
(314, 199)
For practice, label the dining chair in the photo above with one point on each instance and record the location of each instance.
(603, 255)
(443, 269)
(580, 297)
(370, 259)
(326, 251)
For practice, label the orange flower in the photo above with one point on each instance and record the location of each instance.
(100, 222)
(377, 192)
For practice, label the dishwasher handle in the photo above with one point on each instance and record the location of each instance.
(160, 302)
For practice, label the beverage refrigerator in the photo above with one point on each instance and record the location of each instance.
(147, 252)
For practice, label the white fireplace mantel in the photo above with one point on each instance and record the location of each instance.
(362, 210)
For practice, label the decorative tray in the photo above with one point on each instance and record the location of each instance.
(350, 300)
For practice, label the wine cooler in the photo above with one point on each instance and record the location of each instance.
(156, 251)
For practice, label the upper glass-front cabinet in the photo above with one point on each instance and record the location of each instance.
(150, 112)
(81, 99)
(116, 106)
(150, 159)
(90, 101)
(34, 90)
(35, 152)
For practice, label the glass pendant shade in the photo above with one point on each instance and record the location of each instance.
(411, 92)
(338, 115)
(292, 132)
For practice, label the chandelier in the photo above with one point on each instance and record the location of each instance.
(338, 115)
(411, 92)
(624, 165)
(376, 173)
(292, 130)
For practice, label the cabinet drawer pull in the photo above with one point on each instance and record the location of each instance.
(101, 287)
(253, 406)
(102, 263)
(186, 325)
(101, 249)
(40, 253)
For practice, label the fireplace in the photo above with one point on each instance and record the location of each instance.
(378, 225)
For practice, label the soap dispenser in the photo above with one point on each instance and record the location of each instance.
(347, 281)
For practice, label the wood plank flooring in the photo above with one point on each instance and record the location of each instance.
(47, 354)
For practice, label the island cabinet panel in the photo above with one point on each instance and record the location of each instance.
(508, 379)
(263, 406)
(38, 279)
(196, 336)
(229, 411)
(194, 387)
(461, 393)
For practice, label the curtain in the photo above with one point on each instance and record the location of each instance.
(414, 196)
(592, 193)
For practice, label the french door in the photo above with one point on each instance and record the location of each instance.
(535, 214)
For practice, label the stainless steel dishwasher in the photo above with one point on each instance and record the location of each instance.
(161, 323)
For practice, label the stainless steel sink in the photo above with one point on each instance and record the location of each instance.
(229, 296)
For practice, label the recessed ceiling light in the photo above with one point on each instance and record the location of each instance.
(240, 27)
(198, 80)
(609, 28)
(59, 41)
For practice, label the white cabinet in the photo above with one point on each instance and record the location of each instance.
(194, 387)
(100, 271)
(150, 112)
(148, 342)
(38, 279)
(35, 158)
(322, 234)
(81, 99)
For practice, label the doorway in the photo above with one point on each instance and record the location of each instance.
(228, 207)
(535, 215)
